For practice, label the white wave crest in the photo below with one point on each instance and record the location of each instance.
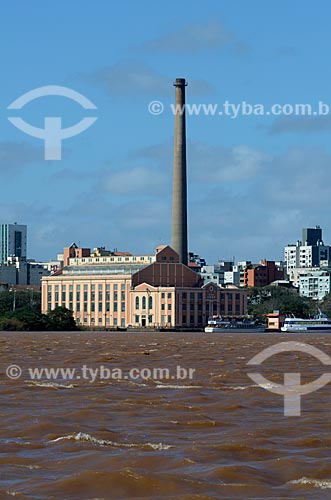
(170, 386)
(51, 385)
(323, 484)
(82, 436)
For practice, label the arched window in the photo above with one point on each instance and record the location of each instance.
(150, 302)
(143, 303)
(137, 302)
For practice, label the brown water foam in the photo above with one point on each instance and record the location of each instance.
(215, 436)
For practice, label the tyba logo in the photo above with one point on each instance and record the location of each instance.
(52, 133)
(292, 390)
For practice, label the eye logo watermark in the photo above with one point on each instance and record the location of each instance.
(292, 390)
(52, 133)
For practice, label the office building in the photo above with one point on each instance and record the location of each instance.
(13, 241)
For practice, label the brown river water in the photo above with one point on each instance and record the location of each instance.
(214, 435)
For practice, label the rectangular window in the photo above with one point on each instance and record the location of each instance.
(184, 295)
(137, 318)
(122, 306)
(163, 319)
(115, 296)
(162, 295)
(122, 295)
(169, 319)
(115, 307)
(192, 295)
(169, 307)
(115, 321)
(85, 296)
(162, 307)
(123, 287)
(100, 307)
(115, 287)
(191, 307)
(78, 307)
(85, 307)
(93, 296)
(100, 295)
(93, 306)
(77, 296)
(107, 307)
(169, 295)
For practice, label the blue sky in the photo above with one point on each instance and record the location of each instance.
(254, 182)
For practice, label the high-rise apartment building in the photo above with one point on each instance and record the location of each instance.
(13, 241)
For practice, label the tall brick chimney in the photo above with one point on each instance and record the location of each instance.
(179, 192)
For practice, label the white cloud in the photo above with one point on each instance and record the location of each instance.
(192, 38)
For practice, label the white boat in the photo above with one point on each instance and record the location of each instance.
(219, 325)
(320, 323)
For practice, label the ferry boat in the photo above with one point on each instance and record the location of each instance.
(297, 325)
(220, 325)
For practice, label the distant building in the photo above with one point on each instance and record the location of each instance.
(13, 241)
(17, 271)
(141, 291)
(222, 273)
(263, 274)
(309, 252)
(314, 284)
(195, 262)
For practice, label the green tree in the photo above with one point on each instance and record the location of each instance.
(287, 300)
(61, 318)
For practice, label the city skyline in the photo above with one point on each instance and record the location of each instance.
(253, 181)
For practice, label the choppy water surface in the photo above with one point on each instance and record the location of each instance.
(215, 436)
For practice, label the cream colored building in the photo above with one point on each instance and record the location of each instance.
(139, 293)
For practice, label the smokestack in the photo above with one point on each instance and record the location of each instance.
(179, 191)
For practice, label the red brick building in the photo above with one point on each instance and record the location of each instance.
(259, 275)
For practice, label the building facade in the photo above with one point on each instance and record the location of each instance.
(263, 274)
(140, 293)
(314, 284)
(307, 253)
(13, 241)
(21, 272)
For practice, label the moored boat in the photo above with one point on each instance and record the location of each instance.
(220, 325)
(320, 323)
